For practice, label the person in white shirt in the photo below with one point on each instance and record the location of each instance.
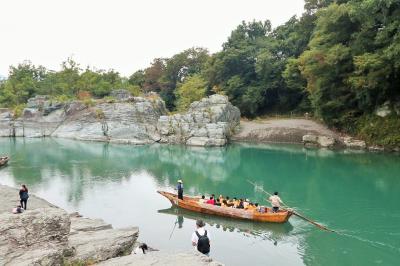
(201, 238)
(275, 202)
(203, 199)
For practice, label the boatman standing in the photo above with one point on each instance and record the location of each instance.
(275, 202)
(179, 187)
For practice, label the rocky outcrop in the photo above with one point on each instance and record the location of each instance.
(47, 235)
(209, 122)
(131, 120)
(121, 122)
(352, 143)
(163, 259)
(320, 141)
(280, 131)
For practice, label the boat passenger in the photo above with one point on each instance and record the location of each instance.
(246, 203)
(211, 201)
(251, 207)
(235, 202)
(240, 206)
(275, 202)
(227, 202)
(218, 203)
(203, 199)
(179, 187)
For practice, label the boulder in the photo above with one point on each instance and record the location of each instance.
(37, 102)
(121, 94)
(100, 245)
(376, 148)
(326, 142)
(310, 139)
(383, 110)
(163, 259)
(352, 143)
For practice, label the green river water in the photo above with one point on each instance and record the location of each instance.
(357, 194)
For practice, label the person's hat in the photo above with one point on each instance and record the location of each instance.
(180, 181)
(200, 223)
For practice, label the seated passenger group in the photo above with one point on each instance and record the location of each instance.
(232, 203)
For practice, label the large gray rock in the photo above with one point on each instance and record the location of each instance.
(121, 94)
(209, 122)
(122, 122)
(352, 143)
(38, 236)
(100, 245)
(6, 123)
(47, 235)
(383, 110)
(163, 259)
(326, 142)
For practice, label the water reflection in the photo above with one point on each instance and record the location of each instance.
(118, 183)
(261, 231)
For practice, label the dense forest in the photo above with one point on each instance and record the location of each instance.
(339, 61)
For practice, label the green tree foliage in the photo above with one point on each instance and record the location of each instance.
(23, 81)
(352, 65)
(192, 89)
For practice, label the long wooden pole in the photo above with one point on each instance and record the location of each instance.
(296, 213)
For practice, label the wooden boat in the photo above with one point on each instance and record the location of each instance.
(193, 204)
(4, 160)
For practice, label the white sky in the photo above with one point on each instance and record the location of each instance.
(121, 34)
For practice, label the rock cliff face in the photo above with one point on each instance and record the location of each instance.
(209, 122)
(134, 120)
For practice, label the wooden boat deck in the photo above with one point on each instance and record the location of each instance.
(193, 204)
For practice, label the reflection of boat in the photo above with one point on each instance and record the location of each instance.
(193, 204)
(274, 231)
(4, 160)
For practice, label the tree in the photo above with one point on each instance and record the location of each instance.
(192, 89)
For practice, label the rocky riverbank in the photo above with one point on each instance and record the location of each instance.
(212, 121)
(297, 131)
(48, 235)
(132, 120)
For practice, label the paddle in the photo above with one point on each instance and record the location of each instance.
(173, 228)
(296, 213)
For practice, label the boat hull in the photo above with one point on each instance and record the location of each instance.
(193, 204)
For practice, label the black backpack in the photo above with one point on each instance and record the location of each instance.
(24, 195)
(203, 243)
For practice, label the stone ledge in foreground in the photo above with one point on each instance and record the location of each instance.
(163, 258)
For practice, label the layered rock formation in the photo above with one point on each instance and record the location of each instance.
(134, 120)
(209, 122)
